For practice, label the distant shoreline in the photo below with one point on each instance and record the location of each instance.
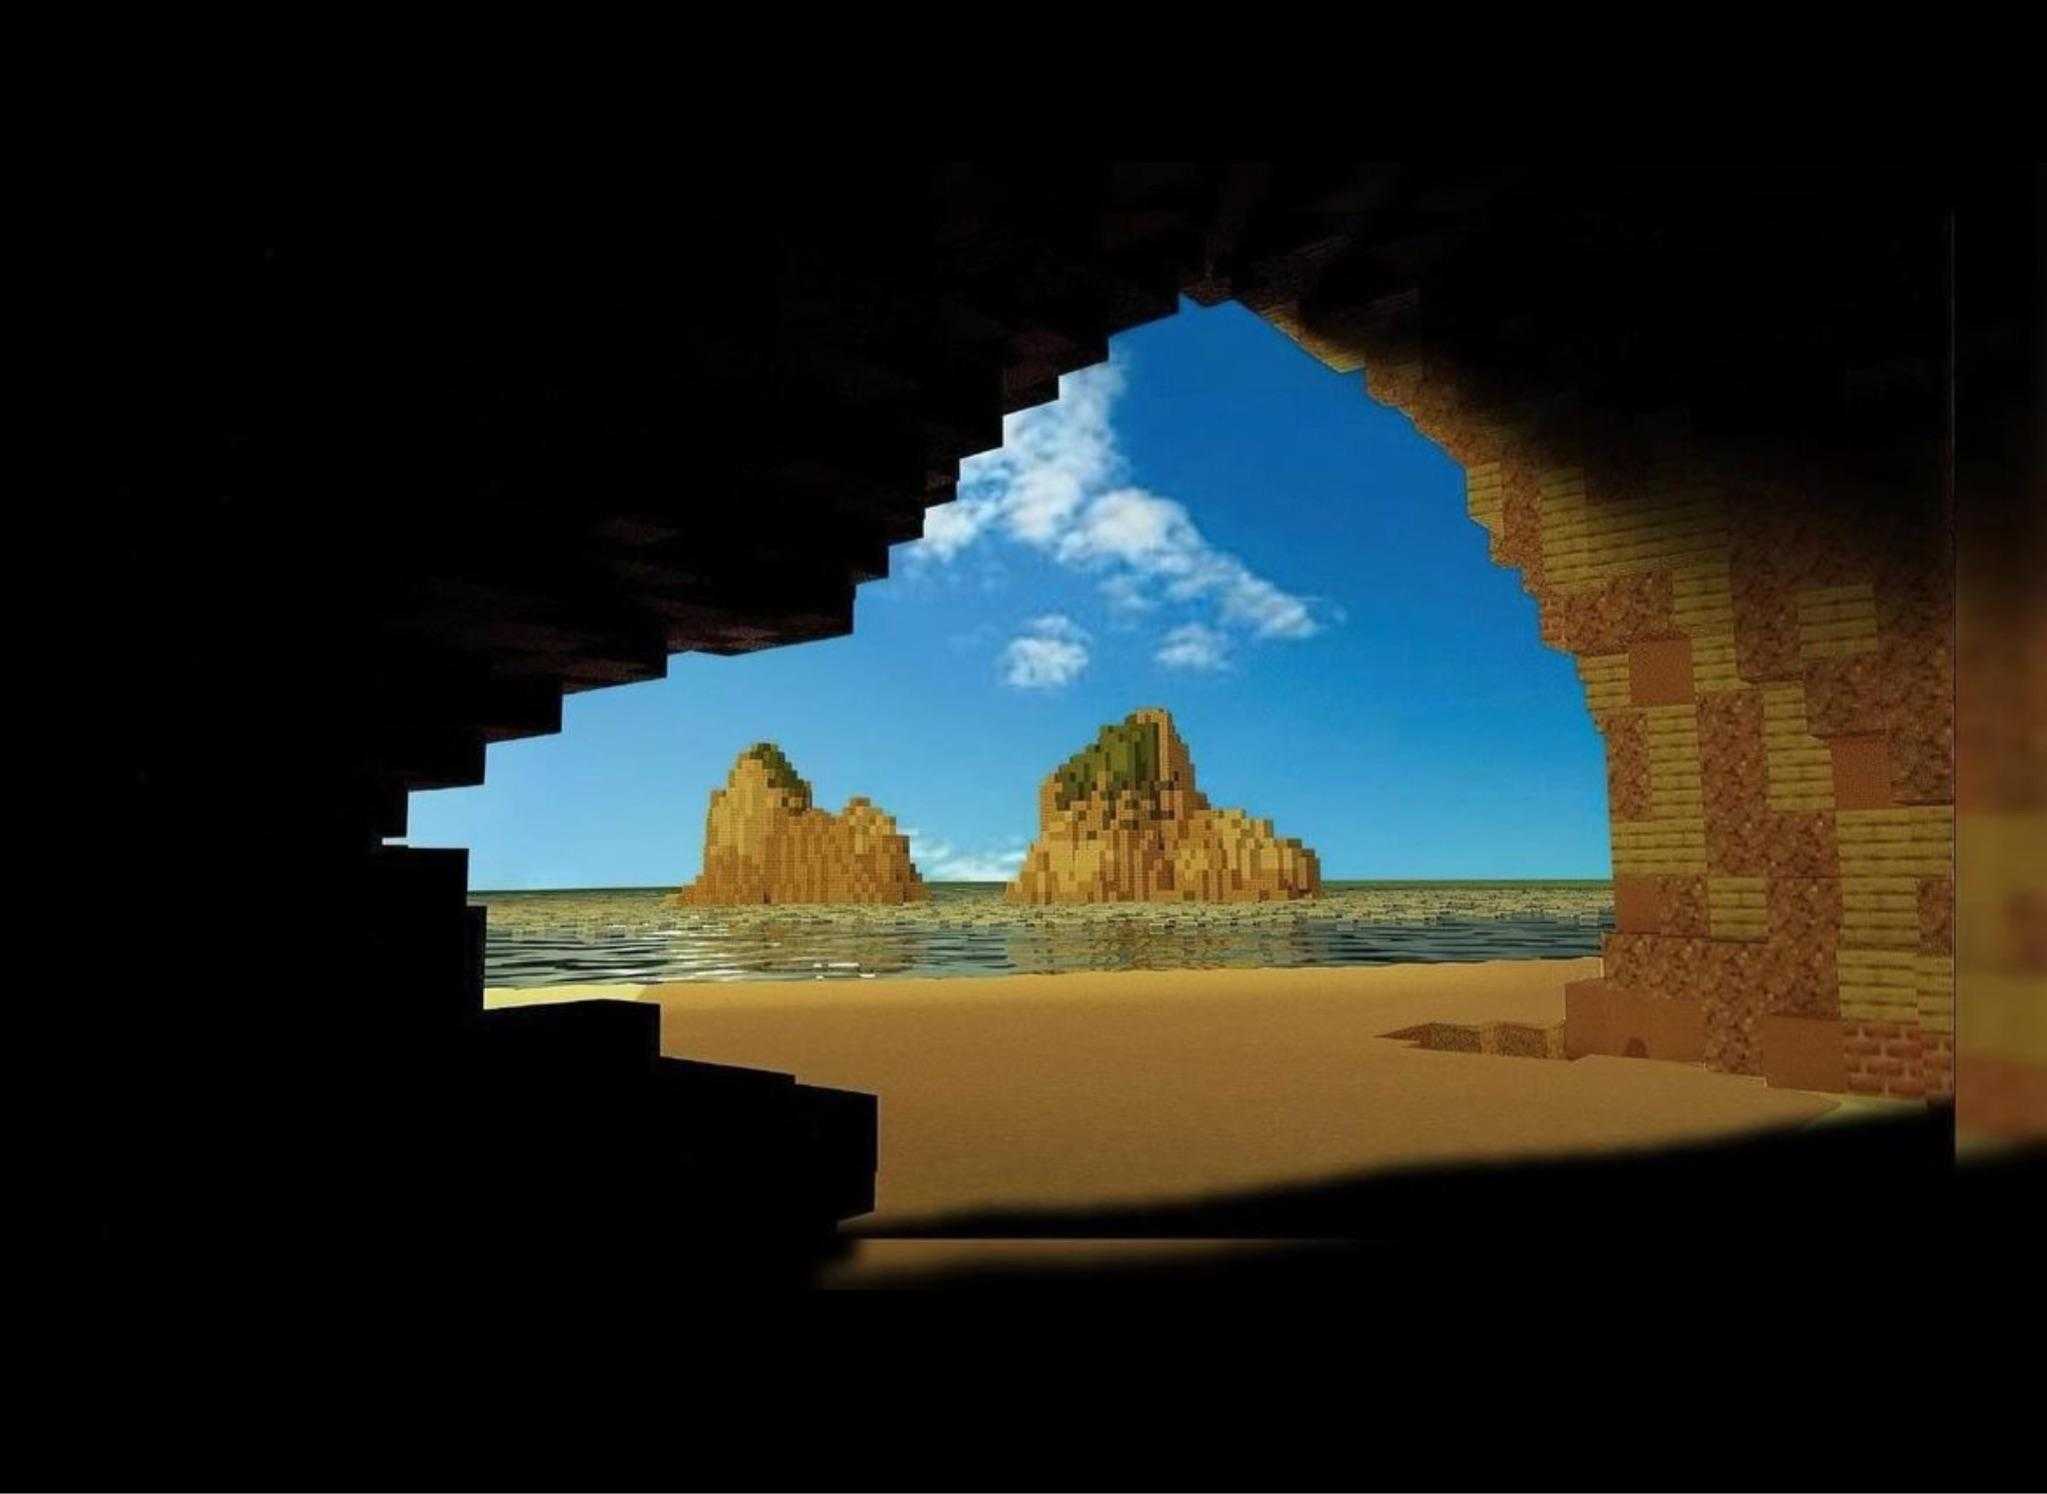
(540, 937)
(1333, 882)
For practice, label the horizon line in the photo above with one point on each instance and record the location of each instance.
(1606, 881)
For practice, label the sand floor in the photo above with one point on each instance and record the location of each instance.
(1083, 1089)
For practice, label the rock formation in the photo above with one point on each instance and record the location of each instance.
(1769, 653)
(1121, 821)
(765, 843)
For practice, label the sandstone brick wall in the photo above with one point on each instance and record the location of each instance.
(1769, 658)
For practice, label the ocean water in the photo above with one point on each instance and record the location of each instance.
(639, 936)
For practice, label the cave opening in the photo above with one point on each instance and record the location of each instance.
(1208, 519)
(1710, 419)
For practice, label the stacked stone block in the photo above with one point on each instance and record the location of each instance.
(765, 843)
(1124, 822)
(1771, 670)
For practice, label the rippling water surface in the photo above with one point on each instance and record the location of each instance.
(637, 935)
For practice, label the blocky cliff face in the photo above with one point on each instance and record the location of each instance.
(1122, 821)
(765, 843)
(1767, 646)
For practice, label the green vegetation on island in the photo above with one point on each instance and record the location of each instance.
(1126, 752)
(781, 772)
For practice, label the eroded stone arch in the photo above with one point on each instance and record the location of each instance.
(452, 461)
(1770, 665)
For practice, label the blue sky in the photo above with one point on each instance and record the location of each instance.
(1212, 522)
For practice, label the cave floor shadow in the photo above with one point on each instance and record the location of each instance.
(1783, 1204)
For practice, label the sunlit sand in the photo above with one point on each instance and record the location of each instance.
(1087, 1089)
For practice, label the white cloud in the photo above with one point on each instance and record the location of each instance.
(1126, 594)
(940, 861)
(1057, 625)
(1193, 646)
(951, 527)
(965, 868)
(1152, 536)
(1052, 651)
(1058, 486)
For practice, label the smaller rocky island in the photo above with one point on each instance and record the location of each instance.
(764, 842)
(1121, 821)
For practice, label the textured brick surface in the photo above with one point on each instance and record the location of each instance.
(1766, 626)
(1604, 1016)
(1848, 696)
(1862, 772)
(1936, 896)
(1687, 907)
(1734, 783)
(1637, 904)
(1662, 905)
(1660, 671)
(1612, 614)
(1506, 1039)
(1885, 1058)
(1627, 767)
(1519, 543)
(1804, 1053)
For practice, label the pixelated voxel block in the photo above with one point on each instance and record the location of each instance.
(1121, 821)
(1773, 677)
(1660, 672)
(1604, 1017)
(1862, 771)
(1507, 1039)
(765, 843)
(1804, 1053)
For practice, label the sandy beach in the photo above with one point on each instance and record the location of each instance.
(1118, 1087)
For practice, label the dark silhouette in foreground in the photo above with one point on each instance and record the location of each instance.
(1755, 1208)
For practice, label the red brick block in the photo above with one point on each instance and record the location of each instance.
(1849, 696)
(1937, 915)
(1603, 1017)
(1612, 615)
(1660, 672)
(1862, 771)
(1800, 843)
(1638, 904)
(1804, 1053)
(1627, 769)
